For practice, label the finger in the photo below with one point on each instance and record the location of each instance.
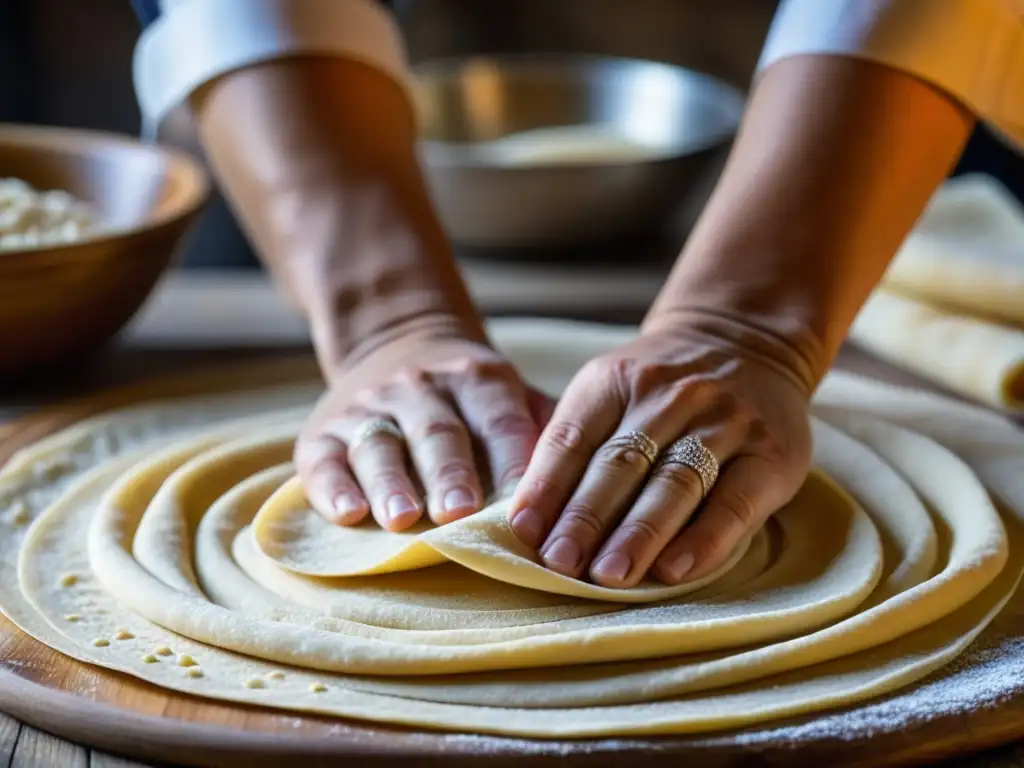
(614, 476)
(608, 484)
(379, 464)
(330, 487)
(584, 418)
(749, 491)
(442, 452)
(498, 415)
(542, 407)
(668, 500)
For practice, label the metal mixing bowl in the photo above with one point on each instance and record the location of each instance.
(682, 119)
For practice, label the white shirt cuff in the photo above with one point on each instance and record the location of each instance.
(197, 41)
(971, 49)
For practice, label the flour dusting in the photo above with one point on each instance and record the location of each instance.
(989, 673)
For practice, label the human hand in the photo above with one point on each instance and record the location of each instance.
(592, 504)
(446, 395)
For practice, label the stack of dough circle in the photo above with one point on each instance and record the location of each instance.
(170, 540)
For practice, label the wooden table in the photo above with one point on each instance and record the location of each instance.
(198, 319)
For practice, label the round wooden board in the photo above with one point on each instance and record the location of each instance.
(121, 714)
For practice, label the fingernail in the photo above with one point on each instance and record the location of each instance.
(347, 506)
(681, 567)
(528, 527)
(400, 506)
(614, 567)
(458, 499)
(564, 554)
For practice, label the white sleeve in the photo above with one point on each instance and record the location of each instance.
(971, 49)
(196, 41)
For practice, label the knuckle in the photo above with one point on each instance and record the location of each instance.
(512, 471)
(373, 449)
(740, 508)
(372, 397)
(645, 380)
(410, 377)
(679, 480)
(487, 369)
(740, 413)
(694, 390)
(541, 488)
(510, 424)
(618, 454)
(435, 429)
(777, 452)
(312, 449)
(656, 379)
(613, 374)
(565, 436)
(641, 531)
(451, 471)
(476, 370)
(354, 412)
(339, 425)
(729, 405)
(388, 479)
(622, 374)
(463, 367)
(598, 367)
(580, 517)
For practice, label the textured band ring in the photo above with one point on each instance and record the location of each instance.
(372, 428)
(690, 452)
(642, 443)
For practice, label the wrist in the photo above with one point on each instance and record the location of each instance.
(327, 183)
(381, 295)
(373, 264)
(833, 164)
(400, 333)
(773, 337)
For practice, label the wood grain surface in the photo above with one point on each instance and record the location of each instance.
(114, 713)
(27, 747)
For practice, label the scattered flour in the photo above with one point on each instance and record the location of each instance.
(987, 674)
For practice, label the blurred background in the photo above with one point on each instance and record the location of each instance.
(69, 64)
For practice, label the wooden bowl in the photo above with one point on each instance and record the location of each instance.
(61, 302)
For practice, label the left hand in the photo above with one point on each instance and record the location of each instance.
(589, 503)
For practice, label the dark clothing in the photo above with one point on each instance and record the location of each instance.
(148, 11)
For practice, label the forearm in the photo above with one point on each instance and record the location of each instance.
(834, 162)
(317, 157)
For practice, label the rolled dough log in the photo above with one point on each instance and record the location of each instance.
(980, 360)
(967, 251)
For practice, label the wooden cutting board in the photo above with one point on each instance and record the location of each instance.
(120, 714)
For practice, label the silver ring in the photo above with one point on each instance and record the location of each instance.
(642, 443)
(691, 453)
(372, 428)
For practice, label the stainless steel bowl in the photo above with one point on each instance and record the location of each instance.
(682, 120)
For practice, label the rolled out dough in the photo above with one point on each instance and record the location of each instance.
(967, 251)
(886, 565)
(978, 359)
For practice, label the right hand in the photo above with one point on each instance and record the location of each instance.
(453, 399)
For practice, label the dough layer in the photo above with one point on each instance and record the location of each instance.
(892, 558)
